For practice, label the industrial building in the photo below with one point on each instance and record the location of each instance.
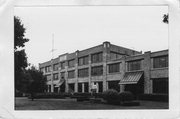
(108, 66)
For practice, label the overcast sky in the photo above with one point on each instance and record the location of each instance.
(81, 27)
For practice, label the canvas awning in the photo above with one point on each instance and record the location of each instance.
(131, 77)
(61, 81)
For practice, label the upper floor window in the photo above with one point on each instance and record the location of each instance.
(83, 60)
(62, 75)
(98, 57)
(62, 65)
(48, 77)
(114, 55)
(48, 69)
(97, 70)
(55, 76)
(134, 65)
(83, 72)
(55, 67)
(71, 63)
(71, 74)
(160, 62)
(114, 68)
(42, 69)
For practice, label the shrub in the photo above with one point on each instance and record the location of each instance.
(126, 96)
(50, 95)
(111, 96)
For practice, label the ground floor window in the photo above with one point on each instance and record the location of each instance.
(71, 87)
(86, 87)
(80, 87)
(49, 88)
(160, 85)
(114, 85)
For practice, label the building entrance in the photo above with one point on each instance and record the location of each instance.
(136, 89)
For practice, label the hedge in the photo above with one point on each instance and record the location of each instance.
(50, 95)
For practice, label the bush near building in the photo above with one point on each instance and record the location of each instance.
(50, 95)
(126, 96)
(111, 96)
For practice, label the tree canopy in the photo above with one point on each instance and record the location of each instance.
(19, 32)
(19, 54)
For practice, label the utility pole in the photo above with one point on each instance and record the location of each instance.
(52, 51)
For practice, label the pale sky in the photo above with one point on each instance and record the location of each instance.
(81, 27)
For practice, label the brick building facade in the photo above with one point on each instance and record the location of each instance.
(108, 66)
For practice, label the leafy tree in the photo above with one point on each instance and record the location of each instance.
(19, 53)
(19, 32)
(37, 81)
(166, 18)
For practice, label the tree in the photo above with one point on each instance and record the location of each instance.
(19, 53)
(37, 81)
(166, 18)
(19, 31)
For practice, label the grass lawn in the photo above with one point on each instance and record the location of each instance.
(72, 104)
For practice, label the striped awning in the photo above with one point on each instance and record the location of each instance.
(61, 81)
(131, 77)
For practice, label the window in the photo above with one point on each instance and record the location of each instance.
(62, 65)
(55, 76)
(160, 85)
(114, 85)
(62, 75)
(97, 57)
(80, 87)
(97, 70)
(114, 68)
(71, 74)
(42, 69)
(55, 67)
(83, 60)
(71, 63)
(71, 87)
(114, 55)
(86, 87)
(134, 65)
(48, 77)
(48, 69)
(83, 72)
(160, 62)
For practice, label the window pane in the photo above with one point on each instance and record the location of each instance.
(55, 76)
(71, 63)
(48, 77)
(114, 68)
(83, 60)
(98, 70)
(160, 62)
(62, 65)
(55, 67)
(97, 57)
(83, 72)
(71, 74)
(134, 65)
(62, 75)
(160, 85)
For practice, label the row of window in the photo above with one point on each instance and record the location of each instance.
(158, 62)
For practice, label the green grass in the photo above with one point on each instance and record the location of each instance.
(72, 104)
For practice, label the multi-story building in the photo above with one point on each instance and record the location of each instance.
(108, 66)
